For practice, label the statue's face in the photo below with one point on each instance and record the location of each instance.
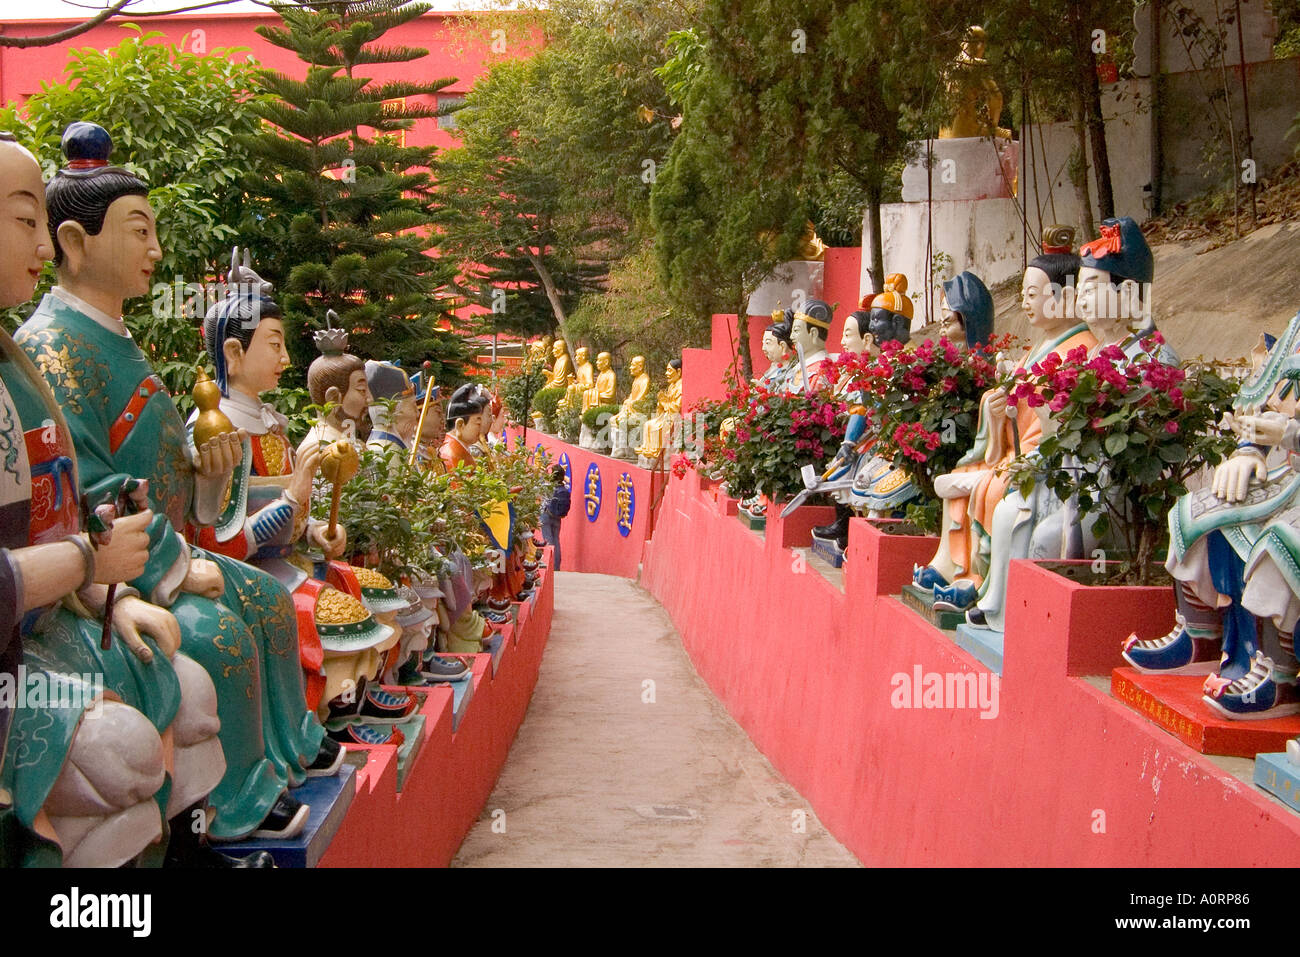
(25, 244)
(1105, 306)
(602, 362)
(581, 355)
(258, 368)
(1041, 307)
(557, 350)
(773, 348)
(672, 374)
(801, 333)
(470, 430)
(357, 399)
(406, 416)
(852, 340)
(638, 365)
(120, 259)
(951, 326)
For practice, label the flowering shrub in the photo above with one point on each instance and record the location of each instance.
(1139, 429)
(922, 402)
(771, 437)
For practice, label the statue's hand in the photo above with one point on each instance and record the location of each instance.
(133, 616)
(304, 471)
(997, 404)
(220, 454)
(332, 546)
(204, 579)
(1232, 478)
(1266, 428)
(843, 460)
(126, 553)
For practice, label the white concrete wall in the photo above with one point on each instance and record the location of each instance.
(985, 236)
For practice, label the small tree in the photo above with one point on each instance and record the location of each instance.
(347, 222)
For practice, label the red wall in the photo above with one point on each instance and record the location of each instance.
(455, 50)
(587, 546)
(807, 670)
(705, 372)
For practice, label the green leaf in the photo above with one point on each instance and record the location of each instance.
(1115, 443)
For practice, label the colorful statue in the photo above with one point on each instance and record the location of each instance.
(976, 99)
(337, 380)
(82, 793)
(237, 622)
(973, 490)
(867, 481)
(811, 326)
(1113, 298)
(1232, 553)
(602, 392)
(966, 310)
(778, 349)
(667, 413)
(340, 641)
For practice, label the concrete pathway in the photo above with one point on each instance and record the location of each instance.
(626, 759)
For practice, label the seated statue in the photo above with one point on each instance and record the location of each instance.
(340, 642)
(583, 380)
(667, 414)
(1114, 271)
(562, 372)
(236, 621)
(778, 349)
(622, 422)
(82, 793)
(1232, 552)
(972, 491)
(602, 391)
(808, 332)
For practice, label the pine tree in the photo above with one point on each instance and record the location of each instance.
(347, 224)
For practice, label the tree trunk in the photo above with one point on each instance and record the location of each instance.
(1079, 171)
(1081, 51)
(1096, 128)
(745, 363)
(877, 241)
(552, 294)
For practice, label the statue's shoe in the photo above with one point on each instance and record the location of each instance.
(926, 576)
(1256, 697)
(958, 596)
(286, 820)
(357, 733)
(499, 604)
(537, 543)
(1293, 751)
(437, 670)
(1177, 653)
(495, 617)
(759, 509)
(328, 760)
(386, 707)
(531, 566)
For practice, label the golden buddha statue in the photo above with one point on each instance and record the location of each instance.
(669, 407)
(582, 380)
(537, 355)
(974, 96)
(602, 392)
(562, 371)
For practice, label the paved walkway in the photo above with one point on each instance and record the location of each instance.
(600, 775)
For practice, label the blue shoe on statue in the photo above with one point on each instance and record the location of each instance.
(927, 576)
(1257, 696)
(955, 597)
(1177, 653)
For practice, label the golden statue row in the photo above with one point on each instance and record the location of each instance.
(586, 388)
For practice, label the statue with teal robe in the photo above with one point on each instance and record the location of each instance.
(237, 622)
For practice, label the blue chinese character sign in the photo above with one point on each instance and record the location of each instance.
(626, 499)
(568, 470)
(592, 494)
